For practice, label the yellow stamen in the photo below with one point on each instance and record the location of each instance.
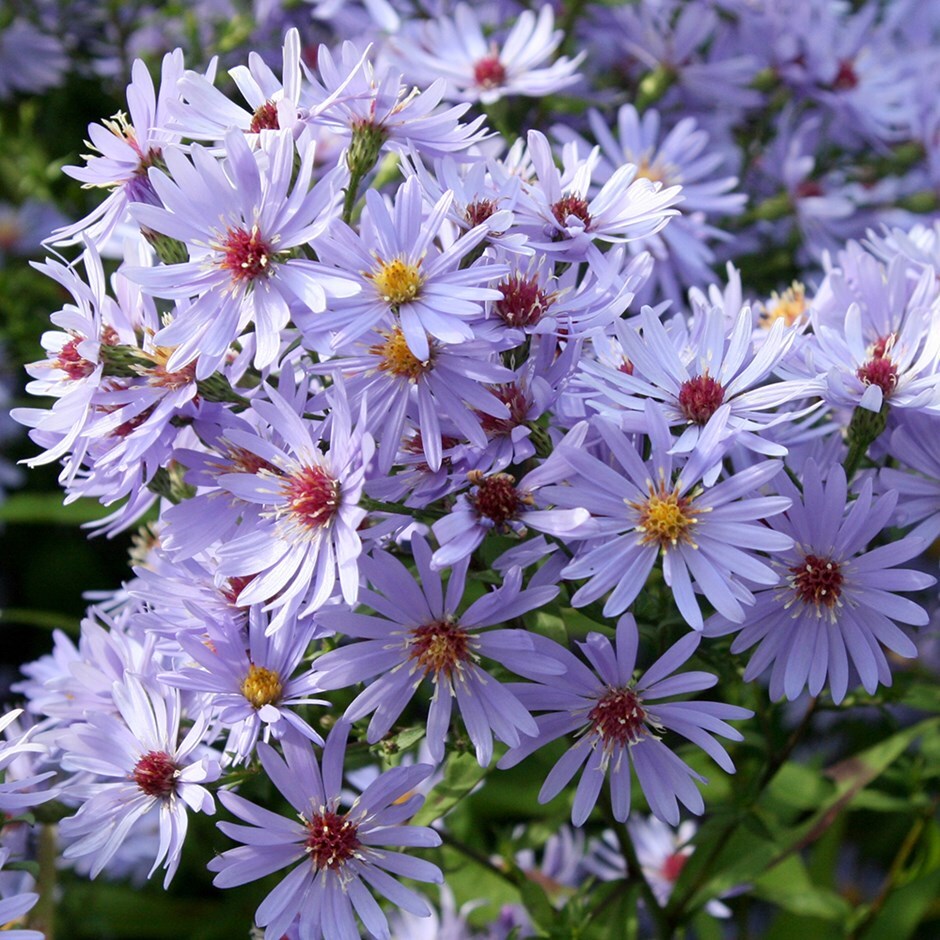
(261, 686)
(397, 281)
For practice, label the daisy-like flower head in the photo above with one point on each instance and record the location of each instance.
(693, 376)
(419, 635)
(239, 221)
(682, 156)
(478, 68)
(381, 112)
(916, 446)
(127, 147)
(252, 690)
(449, 387)
(619, 722)
(340, 851)
(561, 217)
(400, 268)
(142, 768)
(17, 795)
(642, 510)
(834, 605)
(305, 536)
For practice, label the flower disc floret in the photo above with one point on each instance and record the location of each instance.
(156, 774)
(618, 718)
(572, 205)
(264, 118)
(666, 517)
(397, 357)
(489, 72)
(262, 686)
(331, 840)
(700, 398)
(817, 581)
(880, 371)
(439, 647)
(246, 254)
(523, 302)
(312, 496)
(397, 281)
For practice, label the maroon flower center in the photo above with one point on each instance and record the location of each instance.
(618, 718)
(879, 370)
(496, 496)
(846, 78)
(331, 840)
(809, 189)
(478, 212)
(155, 773)
(817, 581)
(265, 118)
(246, 254)
(523, 302)
(571, 205)
(71, 362)
(626, 366)
(489, 72)
(518, 404)
(439, 647)
(700, 398)
(673, 865)
(312, 496)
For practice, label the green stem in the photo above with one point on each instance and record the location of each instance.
(42, 916)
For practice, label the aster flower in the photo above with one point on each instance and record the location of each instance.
(146, 770)
(419, 635)
(239, 223)
(693, 376)
(561, 218)
(478, 67)
(685, 156)
(619, 722)
(127, 146)
(251, 686)
(396, 262)
(834, 604)
(14, 907)
(642, 509)
(916, 446)
(19, 794)
(304, 536)
(339, 851)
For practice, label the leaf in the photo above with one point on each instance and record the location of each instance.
(789, 886)
(48, 508)
(461, 774)
(905, 909)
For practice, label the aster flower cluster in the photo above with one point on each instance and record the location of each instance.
(439, 432)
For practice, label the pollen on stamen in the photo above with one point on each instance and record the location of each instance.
(817, 581)
(523, 303)
(496, 497)
(572, 206)
(396, 356)
(261, 686)
(789, 306)
(700, 398)
(311, 497)
(439, 647)
(264, 118)
(666, 518)
(618, 718)
(156, 774)
(246, 254)
(397, 281)
(331, 840)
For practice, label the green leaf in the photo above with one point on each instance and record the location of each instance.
(789, 886)
(461, 774)
(905, 909)
(48, 508)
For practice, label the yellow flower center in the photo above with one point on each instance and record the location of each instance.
(397, 281)
(261, 686)
(666, 518)
(397, 357)
(790, 306)
(656, 171)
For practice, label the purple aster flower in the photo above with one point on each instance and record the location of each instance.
(477, 67)
(448, 387)
(250, 687)
(378, 107)
(619, 722)
(694, 372)
(834, 604)
(30, 60)
(239, 222)
(146, 769)
(305, 535)
(684, 156)
(16, 793)
(642, 509)
(396, 261)
(339, 851)
(126, 149)
(418, 634)
(561, 218)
